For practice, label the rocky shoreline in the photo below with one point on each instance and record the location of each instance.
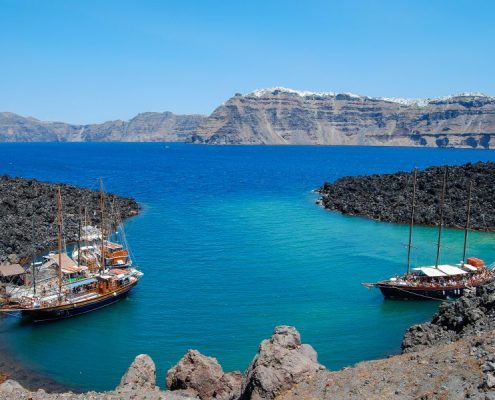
(28, 203)
(28, 209)
(451, 357)
(11, 368)
(387, 197)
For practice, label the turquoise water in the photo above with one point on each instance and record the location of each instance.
(232, 244)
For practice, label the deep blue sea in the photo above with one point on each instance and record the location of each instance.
(232, 244)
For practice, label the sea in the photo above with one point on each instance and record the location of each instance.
(232, 244)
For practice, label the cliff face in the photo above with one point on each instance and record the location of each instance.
(285, 116)
(145, 127)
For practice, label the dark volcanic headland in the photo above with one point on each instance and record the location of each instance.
(387, 197)
(28, 210)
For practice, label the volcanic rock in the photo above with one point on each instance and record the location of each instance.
(387, 197)
(472, 314)
(11, 388)
(140, 375)
(280, 363)
(28, 214)
(204, 377)
(229, 386)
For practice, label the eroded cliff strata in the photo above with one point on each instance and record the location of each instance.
(285, 116)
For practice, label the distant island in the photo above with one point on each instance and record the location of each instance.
(280, 116)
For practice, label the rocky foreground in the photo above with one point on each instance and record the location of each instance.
(387, 197)
(451, 357)
(28, 210)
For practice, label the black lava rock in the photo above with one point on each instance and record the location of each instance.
(28, 203)
(472, 314)
(388, 197)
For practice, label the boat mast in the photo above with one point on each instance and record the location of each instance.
(34, 254)
(79, 240)
(411, 225)
(59, 201)
(85, 224)
(440, 224)
(468, 220)
(102, 206)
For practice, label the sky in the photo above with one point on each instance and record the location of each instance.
(96, 60)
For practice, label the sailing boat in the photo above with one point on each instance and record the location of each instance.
(61, 287)
(438, 282)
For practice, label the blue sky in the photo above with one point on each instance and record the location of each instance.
(91, 61)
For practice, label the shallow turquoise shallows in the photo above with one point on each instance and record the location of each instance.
(232, 244)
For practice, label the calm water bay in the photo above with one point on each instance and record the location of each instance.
(232, 244)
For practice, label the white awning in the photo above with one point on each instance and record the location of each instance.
(467, 267)
(430, 271)
(451, 270)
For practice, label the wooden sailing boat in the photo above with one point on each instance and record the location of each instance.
(76, 288)
(438, 282)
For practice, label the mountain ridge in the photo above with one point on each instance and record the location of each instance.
(286, 116)
(144, 127)
(282, 116)
(421, 102)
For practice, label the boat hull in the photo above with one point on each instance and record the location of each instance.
(409, 293)
(74, 309)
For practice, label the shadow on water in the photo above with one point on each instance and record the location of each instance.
(392, 307)
(27, 376)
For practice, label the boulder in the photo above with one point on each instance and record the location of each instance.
(140, 375)
(203, 377)
(229, 386)
(195, 372)
(280, 363)
(12, 389)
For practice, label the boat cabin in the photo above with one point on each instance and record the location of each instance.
(83, 285)
(70, 270)
(116, 255)
(13, 274)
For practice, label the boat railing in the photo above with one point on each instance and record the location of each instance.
(77, 296)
